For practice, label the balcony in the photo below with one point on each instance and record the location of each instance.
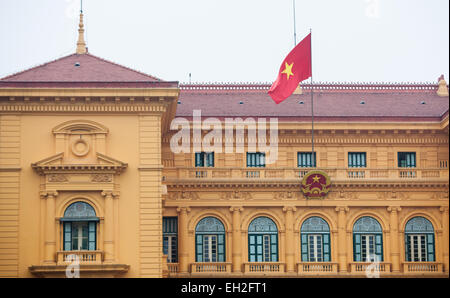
(85, 257)
(343, 174)
(215, 268)
(422, 268)
(267, 268)
(317, 268)
(365, 268)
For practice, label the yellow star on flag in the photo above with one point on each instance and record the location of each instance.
(288, 69)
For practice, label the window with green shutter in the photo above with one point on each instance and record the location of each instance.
(170, 238)
(256, 159)
(367, 240)
(79, 227)
(315, 240)
(204, 159)
(305, 160)
(262, 240)
(210, 240)
(406, 159)
(419, 240)
(357, 159)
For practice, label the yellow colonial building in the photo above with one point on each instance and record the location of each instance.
(89, 178)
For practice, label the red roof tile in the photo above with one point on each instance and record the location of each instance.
(85, 70)
(337, 102)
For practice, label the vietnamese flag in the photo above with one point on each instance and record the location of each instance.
(295, 68)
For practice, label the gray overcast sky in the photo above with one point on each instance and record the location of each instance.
(235, 40)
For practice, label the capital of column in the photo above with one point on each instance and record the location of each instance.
(289, 208)
(48, 194)
(109, 194)
(183, 209)
(444, 209)
(236, 209)
(342, 209)
(394, 209)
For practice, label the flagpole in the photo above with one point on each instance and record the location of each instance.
(295, 27)
(312, 108)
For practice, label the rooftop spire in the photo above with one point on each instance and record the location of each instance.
(81, 44)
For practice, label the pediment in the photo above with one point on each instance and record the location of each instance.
(56, 163)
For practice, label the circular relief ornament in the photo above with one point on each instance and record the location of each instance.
(316, 184)
(80, 147)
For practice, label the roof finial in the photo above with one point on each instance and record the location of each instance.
(81, 44)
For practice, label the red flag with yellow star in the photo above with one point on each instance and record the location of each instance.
(295, 68)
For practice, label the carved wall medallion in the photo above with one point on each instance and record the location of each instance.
(315, 184)
(80, 147)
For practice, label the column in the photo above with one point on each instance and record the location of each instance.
(237, 247)
(290, 253)
(109, 227)
(342, 241)
(50, 228)
(395, 244)
(236, 238)
(444, 211)
(183, 243)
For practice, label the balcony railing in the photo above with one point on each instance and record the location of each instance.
(363, 267)
(82, 256)
(211, 268)
(298, 173)
(317, 268)
(264, 268)
(422, 267)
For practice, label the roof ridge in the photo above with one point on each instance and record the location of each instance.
(36, 66)
(322, 86)
(124, 67)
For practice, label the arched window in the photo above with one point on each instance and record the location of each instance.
(262, 240)
(210, 240)
(367, 240)
(315, 240)
(79, 227)
(419, 240)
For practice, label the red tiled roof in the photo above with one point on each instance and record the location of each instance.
(331, 102)
(91, 72)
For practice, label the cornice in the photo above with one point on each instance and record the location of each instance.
(291, 183)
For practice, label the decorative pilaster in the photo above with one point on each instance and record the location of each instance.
(445, 239)
(50, 228)
(237, 247)
(342, 252)
(395, 244)
(109, 227)
(183, 243)
(289, 220)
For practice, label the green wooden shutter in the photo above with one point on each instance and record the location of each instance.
(326, 248)
(357, 248)
(304, 245)
(274, 248)
(210, 159)
(221, 247)
(92, 235)
(408, 248)
(199, 248)
(199, 159)
(379, 246)
(259, 248)
(251, 248)
(67, 236)
(430, 247)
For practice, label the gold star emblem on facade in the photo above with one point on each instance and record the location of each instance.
(316, 178)
(288, 70)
